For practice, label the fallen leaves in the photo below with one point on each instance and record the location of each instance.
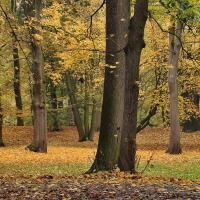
(100, 186)
(63, 146)
(50, 177)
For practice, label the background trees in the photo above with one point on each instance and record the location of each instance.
(174, 49)
(32, 12)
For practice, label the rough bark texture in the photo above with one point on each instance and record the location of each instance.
(174, 48)
(133, 53)
(32, 10)
(17, 91)
(117, 18)
(77, 118)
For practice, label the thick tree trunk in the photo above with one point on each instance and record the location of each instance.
(117, 18)
(174, 48)
(77, 118)
(32, 11)
(18, 99)
(133, 53)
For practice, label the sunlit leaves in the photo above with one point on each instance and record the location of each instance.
(64, 151)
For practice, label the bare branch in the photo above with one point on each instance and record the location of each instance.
(14, 34)
(91, 17)
(189, 56)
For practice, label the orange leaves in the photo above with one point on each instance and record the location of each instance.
(54, 155)
(64, 146)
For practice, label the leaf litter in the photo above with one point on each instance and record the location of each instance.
(64, 148)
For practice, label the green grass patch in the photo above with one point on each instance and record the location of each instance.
(185, 170)
(39, 169)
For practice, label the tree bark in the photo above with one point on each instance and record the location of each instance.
(193, 124)
(17, 67)
(77, 118)
(54, 126)
(18, 99)
(117, 18)
(70, 114)
(174, 49)
(86, 107)
(1, 124)
(133, 53)
(32, 11)
(93, 121)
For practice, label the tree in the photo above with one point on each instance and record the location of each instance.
(133, 53)
(17, 91)
(73, 55)
(32, 12)
(54, 105)
(117, 21)
(16, 66)
(180, 12)
(174, 49)
(77, 118)
(193, 123)
(1, 123)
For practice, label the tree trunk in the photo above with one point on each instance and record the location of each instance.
(117, 18)
(174, 49)
(70, 114)
(18, 99)
(93, 121)
(16, 63)
(193, 124)
(1, 124)
(32, 11)
(77, 118)
(54, 105)
(86, 107)
(133, 53)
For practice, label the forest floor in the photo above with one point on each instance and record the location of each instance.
(59, 174)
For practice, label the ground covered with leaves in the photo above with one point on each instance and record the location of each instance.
(100, 186)
(59, 174)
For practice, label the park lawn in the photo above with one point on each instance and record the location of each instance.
(67, 157)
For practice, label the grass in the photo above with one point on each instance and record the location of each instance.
(30, 170)
(67, 157)
(173, 169)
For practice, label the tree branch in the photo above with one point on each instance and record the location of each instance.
(91, 17)
(146, 120)
(189, 56)
(14, 34)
